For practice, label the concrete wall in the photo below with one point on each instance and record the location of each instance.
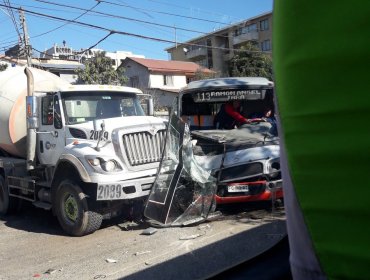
(157, 81)
(139, 72)
(178, 54)
(162, 99)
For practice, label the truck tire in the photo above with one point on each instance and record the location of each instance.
(72, 210)
(7, 204)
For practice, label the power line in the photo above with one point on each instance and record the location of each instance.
(83, 51)
(122, 17)
(9, 42)
(6, 47)
(43, 8)
(186, 8)
(12, 17)
(47, 32)
(132, 34)
(93, 46)
(160, 12)
(135, 47)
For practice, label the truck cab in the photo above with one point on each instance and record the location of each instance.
(95, 151)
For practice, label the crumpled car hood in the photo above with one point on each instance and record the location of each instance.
(246, 133)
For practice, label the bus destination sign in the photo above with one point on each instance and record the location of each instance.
(229, 95)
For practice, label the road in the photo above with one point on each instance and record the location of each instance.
(32, 246)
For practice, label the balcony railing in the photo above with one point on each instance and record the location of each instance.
(250, 36)
(201, 51)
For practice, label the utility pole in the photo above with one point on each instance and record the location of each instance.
(174, 27)
(26, 41)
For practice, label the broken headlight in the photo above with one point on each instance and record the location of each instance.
(274, 168)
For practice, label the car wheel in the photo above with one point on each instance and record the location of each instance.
(72, 210)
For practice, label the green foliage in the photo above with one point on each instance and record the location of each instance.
(3, 67)
(201, 75)
(99, 70)
(251, 62)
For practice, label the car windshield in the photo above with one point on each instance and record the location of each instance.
(88, 106)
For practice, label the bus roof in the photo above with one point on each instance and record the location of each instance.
(222, 83)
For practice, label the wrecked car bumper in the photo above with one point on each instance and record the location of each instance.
(249, 192)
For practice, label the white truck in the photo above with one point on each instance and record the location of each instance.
(80, 150)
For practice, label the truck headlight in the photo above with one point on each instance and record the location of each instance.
(109, 165)
(104, 165)
(94, 161)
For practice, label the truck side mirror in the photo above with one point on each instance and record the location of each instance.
(150, 106)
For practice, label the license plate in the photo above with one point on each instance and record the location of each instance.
(109, 192)
(238, 188)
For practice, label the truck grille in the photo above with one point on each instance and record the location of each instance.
(143, 147)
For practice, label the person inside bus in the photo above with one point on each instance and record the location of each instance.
(267, 116)
(229, 116)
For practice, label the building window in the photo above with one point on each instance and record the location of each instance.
(167, 80)
(264, 24)
(266, 45)
(246, 29)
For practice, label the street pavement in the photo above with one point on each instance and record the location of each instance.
(33, 246)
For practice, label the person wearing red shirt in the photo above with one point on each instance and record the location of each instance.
(233, 110)
(229, 116)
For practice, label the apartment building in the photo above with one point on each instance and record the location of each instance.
(68, 53)
(214, 50)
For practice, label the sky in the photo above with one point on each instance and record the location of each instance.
(173, 21)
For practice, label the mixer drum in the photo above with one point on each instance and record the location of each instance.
(13, 91)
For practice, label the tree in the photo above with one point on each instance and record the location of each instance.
(200, 74)
(251, 62)
(3, 67)
(99, 70)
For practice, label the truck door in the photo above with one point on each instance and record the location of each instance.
(51, 140)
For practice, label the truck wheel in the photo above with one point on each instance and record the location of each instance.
(72, 210)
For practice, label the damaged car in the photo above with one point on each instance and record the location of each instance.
(204, 165)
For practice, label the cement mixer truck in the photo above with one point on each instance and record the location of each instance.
(81, 151)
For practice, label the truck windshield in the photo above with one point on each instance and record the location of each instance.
(81, 107)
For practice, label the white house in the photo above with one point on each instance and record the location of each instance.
(161, 78)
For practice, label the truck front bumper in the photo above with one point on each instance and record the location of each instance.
(124, 190)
